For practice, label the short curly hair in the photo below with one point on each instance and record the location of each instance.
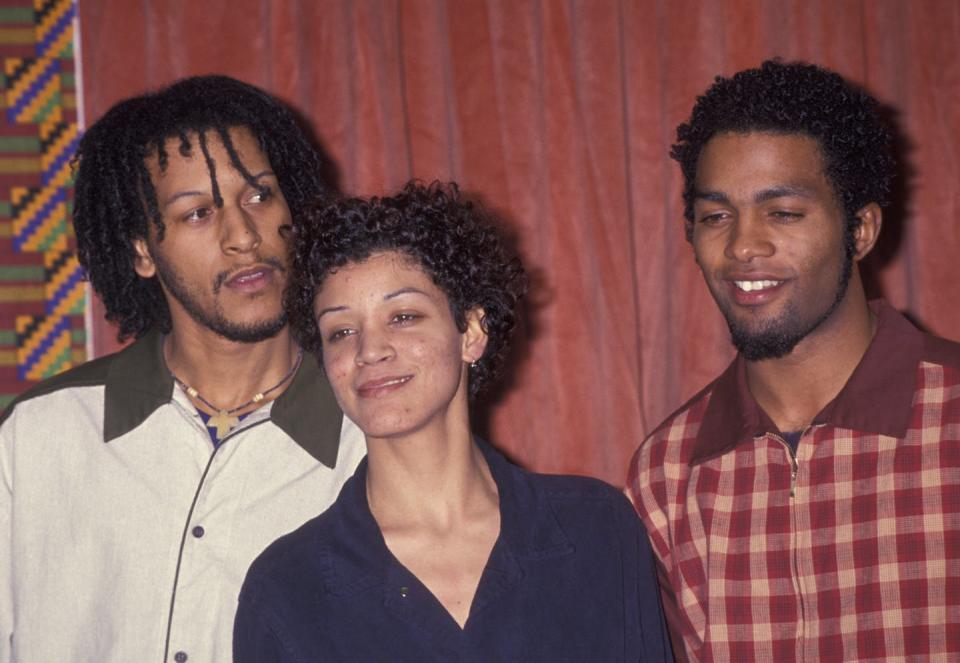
(452, 239)
(796, 98)
(115, 200)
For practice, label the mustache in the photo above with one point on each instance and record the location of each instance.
(224, 276)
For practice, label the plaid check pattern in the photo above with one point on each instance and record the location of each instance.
(849, 551)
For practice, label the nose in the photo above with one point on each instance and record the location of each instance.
(239, 232)
(748, 239)
(373, 348)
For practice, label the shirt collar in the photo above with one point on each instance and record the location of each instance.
(356, 557)
(876, 399)
(139, 382)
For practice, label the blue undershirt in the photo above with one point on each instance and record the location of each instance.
(213, 430)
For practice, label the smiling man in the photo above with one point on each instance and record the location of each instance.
(806, 504)
(135, 490)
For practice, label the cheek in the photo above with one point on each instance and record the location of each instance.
(707, 249)
(440, 356)
(337, 364)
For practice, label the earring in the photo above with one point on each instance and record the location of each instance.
(473, 364)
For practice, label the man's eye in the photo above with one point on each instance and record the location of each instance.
(786, 216)
(262, 195)
(713, 219)
(198, 214)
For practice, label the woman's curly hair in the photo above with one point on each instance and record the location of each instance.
(450, 238)
(115, 199)
(796, 98)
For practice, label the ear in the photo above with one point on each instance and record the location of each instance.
(142, 260)
(474, 340)
(866, 235)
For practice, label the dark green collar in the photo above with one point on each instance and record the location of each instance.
(138, 382)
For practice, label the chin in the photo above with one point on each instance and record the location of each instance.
(387, 427)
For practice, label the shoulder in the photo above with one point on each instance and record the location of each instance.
(662, 461)
(679, 419)
(296, 558)
(569, 487)
(91, 374)
(577, 498)
(320, 556)
(668, 441)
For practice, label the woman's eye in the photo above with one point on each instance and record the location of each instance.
(404, 318)
(338, 335)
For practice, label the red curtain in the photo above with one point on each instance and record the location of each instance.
(560, 115)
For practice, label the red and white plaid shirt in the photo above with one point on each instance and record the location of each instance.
(849, 551)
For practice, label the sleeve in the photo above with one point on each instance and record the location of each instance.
(6, 545)
(256, 638)
(647, 490)
(640, 587)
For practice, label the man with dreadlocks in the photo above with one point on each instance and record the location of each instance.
(805, 506)
(136, 489)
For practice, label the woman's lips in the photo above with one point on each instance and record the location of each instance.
(382, 386)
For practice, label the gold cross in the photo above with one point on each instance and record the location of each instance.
(224, 422)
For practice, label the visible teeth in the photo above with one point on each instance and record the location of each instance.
(390, 383)
(749, 286)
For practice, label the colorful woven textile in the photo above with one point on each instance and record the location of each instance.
(41, 289)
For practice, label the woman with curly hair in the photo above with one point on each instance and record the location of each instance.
(438, 548)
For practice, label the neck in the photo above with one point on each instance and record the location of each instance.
(793, 389)
(228, 373)
(436, 477)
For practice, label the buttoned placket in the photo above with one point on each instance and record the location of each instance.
(194, 542)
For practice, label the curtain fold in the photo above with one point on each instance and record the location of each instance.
(560, 115)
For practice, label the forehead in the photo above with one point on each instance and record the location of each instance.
(193, 165)
(748, 162)
(382, 273)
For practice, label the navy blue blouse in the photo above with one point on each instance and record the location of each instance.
(570, 578)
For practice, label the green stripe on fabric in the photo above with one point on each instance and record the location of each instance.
(8, 337)
(78, 336)
(21, 273)
(5, 208)
(47, 108)
(5, 400)
(19, 144)
(16, 15)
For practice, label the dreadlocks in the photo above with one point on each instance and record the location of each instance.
(115, 199)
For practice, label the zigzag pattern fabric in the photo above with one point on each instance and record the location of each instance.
(42, 294)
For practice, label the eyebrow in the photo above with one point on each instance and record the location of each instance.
(404, 291)
(184, 194)
(762, 196)
(386, 297)
(330, 309)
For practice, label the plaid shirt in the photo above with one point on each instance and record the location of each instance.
(848, 550)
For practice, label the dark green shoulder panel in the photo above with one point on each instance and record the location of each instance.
(90, 374)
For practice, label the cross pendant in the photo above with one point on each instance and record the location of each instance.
(224, 422)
